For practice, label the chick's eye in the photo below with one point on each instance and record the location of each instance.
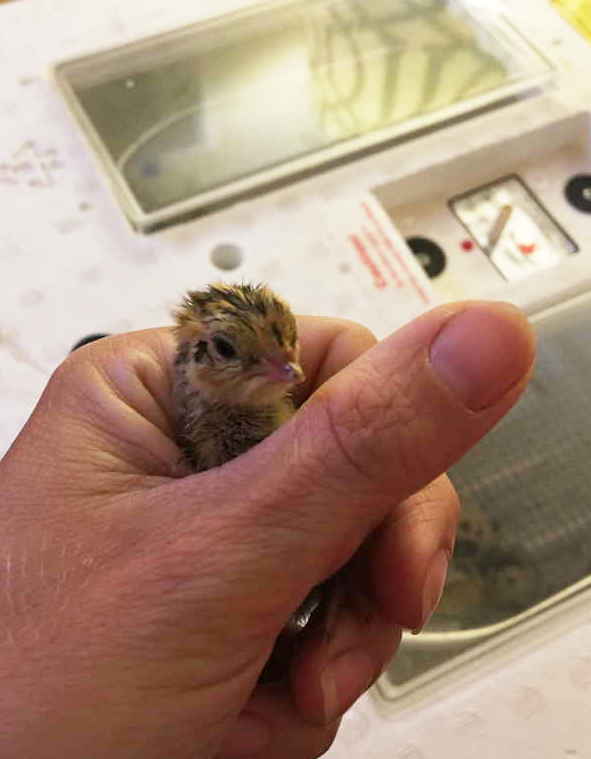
(224, 347)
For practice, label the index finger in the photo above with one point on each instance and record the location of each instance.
(327, 346)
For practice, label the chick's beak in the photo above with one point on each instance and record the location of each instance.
(281, 369)
(293, 373)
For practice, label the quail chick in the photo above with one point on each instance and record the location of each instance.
(237, 361)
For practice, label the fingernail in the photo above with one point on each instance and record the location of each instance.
(434, 585)
(343, 680)
(249, 737)
(482, 352)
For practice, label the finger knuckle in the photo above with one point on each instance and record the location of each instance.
(354, 329)
(360, 333)
(435, 509)
(69, 380)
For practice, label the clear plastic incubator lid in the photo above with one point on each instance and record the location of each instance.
(190, 120)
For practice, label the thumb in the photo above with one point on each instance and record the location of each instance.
(378, 431)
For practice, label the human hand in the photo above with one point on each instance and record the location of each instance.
(140, 605)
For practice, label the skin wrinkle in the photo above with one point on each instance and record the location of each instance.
(176, 629)
(142, 429)
(336, 436)
(158, 365)
(72, 569)
(167, 425)
(348, 333)
(222, 480)
(216, 535)
(419, 371)
(397, 405)
(282, 532)
(109, 475)
(431, 495)
(312, 472)
(137, 368)
(146, 405)
(8, 581)
(159, 353)
(49, 441)
(174, 577)
(61, 585)
(9, 637)
(22, 565)
(74, 382)
(49, 581)
(284, 537)
(240, 554)
(233, 543)
(95, 401)
(42, 552)
(156, 643)
(159, 466)
(370, 413)
(21, 599)
(419, 516)
(165, 355)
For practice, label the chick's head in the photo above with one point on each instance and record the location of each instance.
(238, 344)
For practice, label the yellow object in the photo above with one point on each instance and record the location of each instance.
(578, 12)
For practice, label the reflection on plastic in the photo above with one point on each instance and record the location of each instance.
(195, 118)
(310, 77)
(338, 71)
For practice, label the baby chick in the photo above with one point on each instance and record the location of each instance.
(237, 361)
